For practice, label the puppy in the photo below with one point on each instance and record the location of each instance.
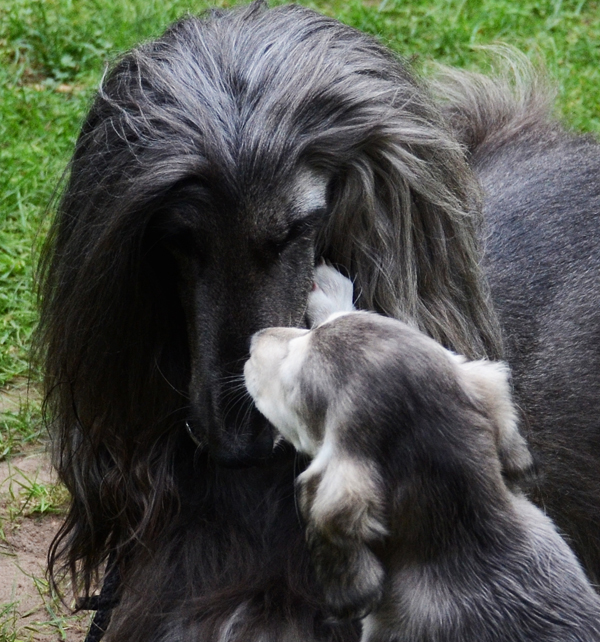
(411, 517)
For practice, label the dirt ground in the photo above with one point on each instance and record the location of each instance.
(27, 610)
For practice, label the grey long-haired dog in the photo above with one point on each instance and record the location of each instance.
(215, 165)
(409, 516)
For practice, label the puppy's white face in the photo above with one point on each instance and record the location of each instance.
(274, 372)
(273, 378)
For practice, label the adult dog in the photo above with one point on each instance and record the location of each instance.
(410, 512)
(215, 165)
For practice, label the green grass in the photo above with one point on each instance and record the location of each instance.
(19, 428)
(53, 52)
(27, 496)
(565, 35)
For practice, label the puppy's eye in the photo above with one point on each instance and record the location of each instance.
(301, 228)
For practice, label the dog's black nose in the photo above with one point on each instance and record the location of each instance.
(237, 446)
(254, 455)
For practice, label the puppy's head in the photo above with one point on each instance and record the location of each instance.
(372, 399)
(278, 380)
(361, 363)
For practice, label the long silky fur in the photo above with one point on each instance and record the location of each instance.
(484, 112)
(241, 98)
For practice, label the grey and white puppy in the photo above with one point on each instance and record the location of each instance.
(411, 516)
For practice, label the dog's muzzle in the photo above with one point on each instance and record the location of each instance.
(250, 444)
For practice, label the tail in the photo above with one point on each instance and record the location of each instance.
(487, 112)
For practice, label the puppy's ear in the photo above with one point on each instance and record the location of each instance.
(342, 505)
(332, 292)
(489, 381)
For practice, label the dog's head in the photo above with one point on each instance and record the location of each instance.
(215, 165)
(243, 262)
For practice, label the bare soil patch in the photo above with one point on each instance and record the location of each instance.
(31, 511)
(17, 392)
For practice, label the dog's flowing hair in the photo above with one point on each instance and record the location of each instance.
(185, 227)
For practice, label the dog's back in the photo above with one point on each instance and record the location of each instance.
(542, 257)
(544, 268)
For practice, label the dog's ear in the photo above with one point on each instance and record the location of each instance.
(489, 381)
(341, 502)
(422, 197)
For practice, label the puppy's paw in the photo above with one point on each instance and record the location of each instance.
(332, 292)
(350, 574)
(341, 501)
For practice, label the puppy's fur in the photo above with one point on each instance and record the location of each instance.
(409, 515)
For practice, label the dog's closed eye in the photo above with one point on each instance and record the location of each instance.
(301, 228)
